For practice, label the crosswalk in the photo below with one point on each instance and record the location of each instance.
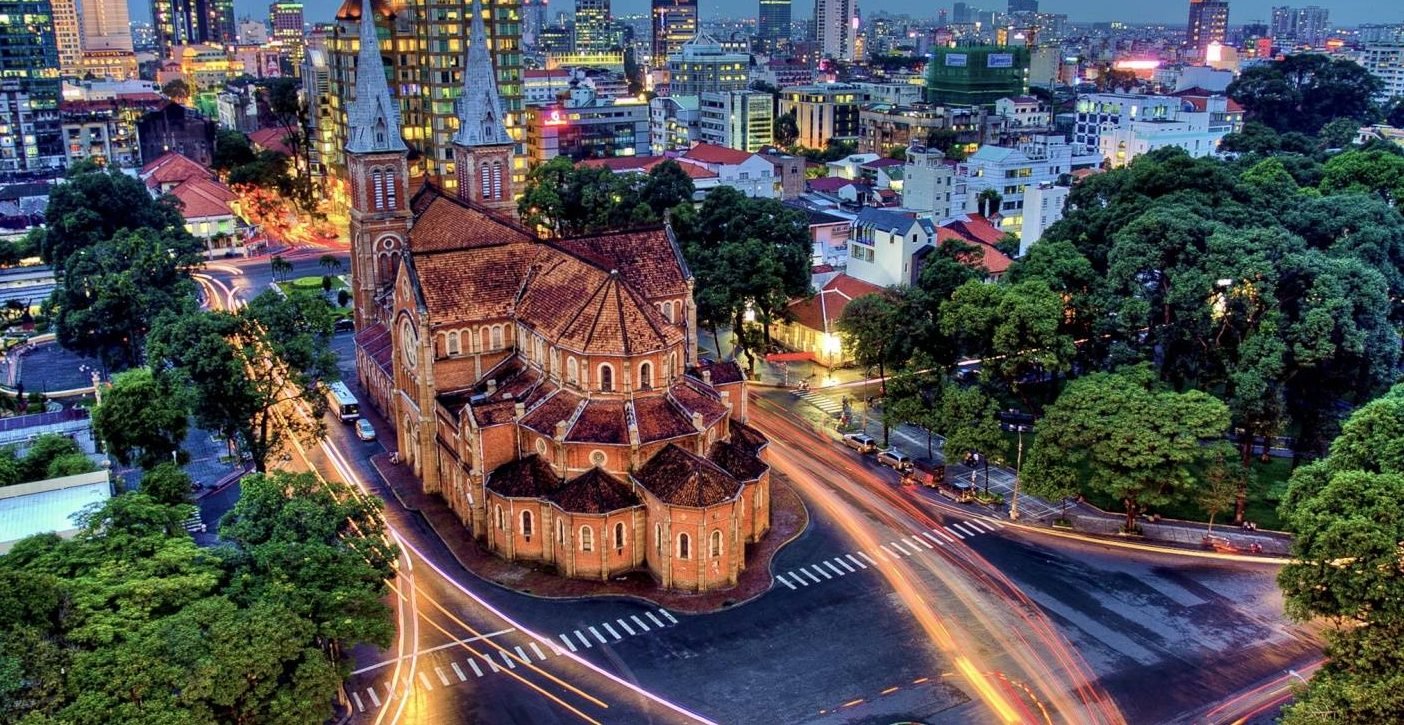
(822, 402)
(449, 667)
(903, 547)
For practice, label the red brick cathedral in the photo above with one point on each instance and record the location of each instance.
(548, 389)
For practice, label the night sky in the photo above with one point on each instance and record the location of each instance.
(1343, 12)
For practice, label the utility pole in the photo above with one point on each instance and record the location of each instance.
(1018, 469)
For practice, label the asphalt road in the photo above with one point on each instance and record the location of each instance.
(873, 610)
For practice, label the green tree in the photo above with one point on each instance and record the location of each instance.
(1015, 329)
(268, 170)
(92, 206)
(1306, 91)
(915, 398)
(1374, 172)
(330, 263)
(47, 449)
(1224, 480)
(1137, 441)
(969, 422)
(177, 90)
(1339, 133)
(143, 418)
(166, 483)
(666, 187)
(988, 202)
(280, 267)
(786, 129)
(232, 149)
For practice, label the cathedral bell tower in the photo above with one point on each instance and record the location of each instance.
(482, 149)
(378, 169)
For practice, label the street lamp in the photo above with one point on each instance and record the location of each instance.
(1018, 467)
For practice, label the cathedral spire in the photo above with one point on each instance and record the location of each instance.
(374, 118)
(479, 107)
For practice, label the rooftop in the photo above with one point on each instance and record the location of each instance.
(41, 507)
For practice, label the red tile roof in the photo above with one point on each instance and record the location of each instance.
(713, 154)
(530, 477)
(681, 478)
(594, 492)
(742, 464)
(202, 198)
(375, 340)
(173, 168)
(272, 139)
(882, 163)
(822, 311)
(601, 422)
(750, 439)
(830, 183)
(993, 260)
(658, 419)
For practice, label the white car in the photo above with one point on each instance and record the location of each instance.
(364, 430)
(861, 442)
(896, 459)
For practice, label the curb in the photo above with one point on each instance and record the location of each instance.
(223, 483)
(1160, 549)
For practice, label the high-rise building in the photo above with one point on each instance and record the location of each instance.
(1308, 25)
(593, 26)
(773, 22)
(1385, 61)
(286, 19)
(534, 19)
(225, 31)
(836, 28)
(962, 13)
(66, 36)
(701, 65)
(181, 22)
(674, 23)
(1023, 6)
(976, 75)
(1208, 23)
(741, 119)
(31, 132)
(824, 112)
(106, 26)
(426, 68)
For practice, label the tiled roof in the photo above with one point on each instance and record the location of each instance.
(723, 372)
(443, 223)
(529, 477)
(713, 154)
(273, 139)
(172, 168)
(558, 407)
(594, 492)
(590, 311)
(693, 397)
(822, 311)
(748, 438)
(375, 340)
(658, 419)
(472, 284)
(882, 163)
(737, 461)
(645, 164)
(601, 422)
(993, 260)
(830, 183)
(201, 198)
(683, 479)
(644, 258)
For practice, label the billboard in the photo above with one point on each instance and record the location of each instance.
(1000, 60)
(955, 60)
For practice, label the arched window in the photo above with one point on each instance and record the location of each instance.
(378, 190)
(526, 524)
(501, 522)
(572, 371)
(658, 538)
(668, 369)
(497, 180)
(485, 339)
(667, 309)
(497, 337)
(486, 182)
(390, 190)
(619, 535)
(646, 376)
(715, 549)
(587, 538)
(452, 344)
(684, 546)
(607, 377)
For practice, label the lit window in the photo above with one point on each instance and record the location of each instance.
(587, 539)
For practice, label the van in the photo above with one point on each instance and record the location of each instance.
(861, 442)
(896, 460)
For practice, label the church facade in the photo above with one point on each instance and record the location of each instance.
(549, 390)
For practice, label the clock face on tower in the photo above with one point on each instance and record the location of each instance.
(408, 344)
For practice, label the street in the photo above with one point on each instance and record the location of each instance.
(894, 604)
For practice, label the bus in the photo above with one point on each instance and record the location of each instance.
(343, 403)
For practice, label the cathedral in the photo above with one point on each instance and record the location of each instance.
(548, 389)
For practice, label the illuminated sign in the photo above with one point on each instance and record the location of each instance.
(1000, 60)
(1136, 64)
(955, 60)
(554, 119)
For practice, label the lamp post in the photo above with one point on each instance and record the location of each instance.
(1018, 468)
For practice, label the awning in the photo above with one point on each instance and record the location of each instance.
(776, 357)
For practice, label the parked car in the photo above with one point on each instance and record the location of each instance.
(895, 459)
(344, 325)
(1012, 419)
(861, 442)
(364, 430)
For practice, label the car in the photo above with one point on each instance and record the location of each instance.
(344, 325)
(896, 460)
(861, 442)
(1013, 419)
(364, 430)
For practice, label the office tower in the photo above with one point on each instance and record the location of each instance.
(29, 88)
(427, 76)
(592, 26)
(1308, 25)
(773, 26)
(106, 26)
(674, 23)
(534, 14)
(836, 28)
(225, 32)
(66, 37)
(962, 13)
(1208, 23)
(180, 22)
(702, 65)
(1023, 6)
(286, 19)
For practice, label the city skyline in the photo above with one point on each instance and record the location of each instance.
(1343, 12)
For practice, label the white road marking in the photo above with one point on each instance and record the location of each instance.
(968, 529)
(390, 690)
(932, 536)
(571, 645)
(797, 578)
(639, 622)
(583, 638)
(784, 581)
(474, 664)
(425, 679)
(492, 664)
(374, 698)
(442, 678)
(902, 549)
(454, 643)
(458, 671)
(869, 558)
(357, 698)
(888, 551)
(816, 579)
(627, 629)
(957, 534)
(655, 620)
(597, 634)
(821, 571)
(510, 664)
(944, 535)
(521, 653)
(667, 614)
(922, 541)
(837, 570)
(855, 561)
(537, 650)
(846, 565)
(617, 636)
(989, 528)
(555, 647)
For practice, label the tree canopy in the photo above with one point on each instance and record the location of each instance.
(1304, 92)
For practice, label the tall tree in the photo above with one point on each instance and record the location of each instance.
(93, 205)
(143, 417)
(1014, 329)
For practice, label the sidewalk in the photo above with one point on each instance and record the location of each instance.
(1087, 521)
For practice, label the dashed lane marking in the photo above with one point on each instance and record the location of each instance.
(425, 679)
(979, 522)
(492, 664)
(584, 639)
(933, 537)
(903, 549)
(869, 558)
(811, 576)
(837, 570)
(821, 571)
(923, 542)
(442, 677)
(554, 647)
(968, 529)
(521, 653)
(846, 565)
(510, 664)
(944, 535)
(374, 698)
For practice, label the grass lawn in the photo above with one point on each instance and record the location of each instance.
(313, 284)
(1263, 496)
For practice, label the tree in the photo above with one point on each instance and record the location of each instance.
(1224, 479)
(285, 103)
(988, 202)
(1348, 518)
(166, 483)
(786, 129)
(1339, 133)
(969, 424)
(177, 90)
(330, 263)
(110, 293)
(92, 206)
(143, 417)
(245, 366)
(1374, 172)
(1304, 92)
(268, 171)
(280, 267)
(45, 451)
(1137, 441)
(915, 398)
(232, 149)
(1015, 329)
(666, 187)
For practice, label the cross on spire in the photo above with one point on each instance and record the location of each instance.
(479, 106)
(374, 118)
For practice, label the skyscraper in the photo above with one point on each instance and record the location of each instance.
(674, 23)
(773, 25)
(1307, 25)
(223, 28)
(1208, 23)
(66, 37)
(286, 19)
(29, 88)
(593, 32)
(106, 26)
(836, 28)
(181, 22)
(1023, 6)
